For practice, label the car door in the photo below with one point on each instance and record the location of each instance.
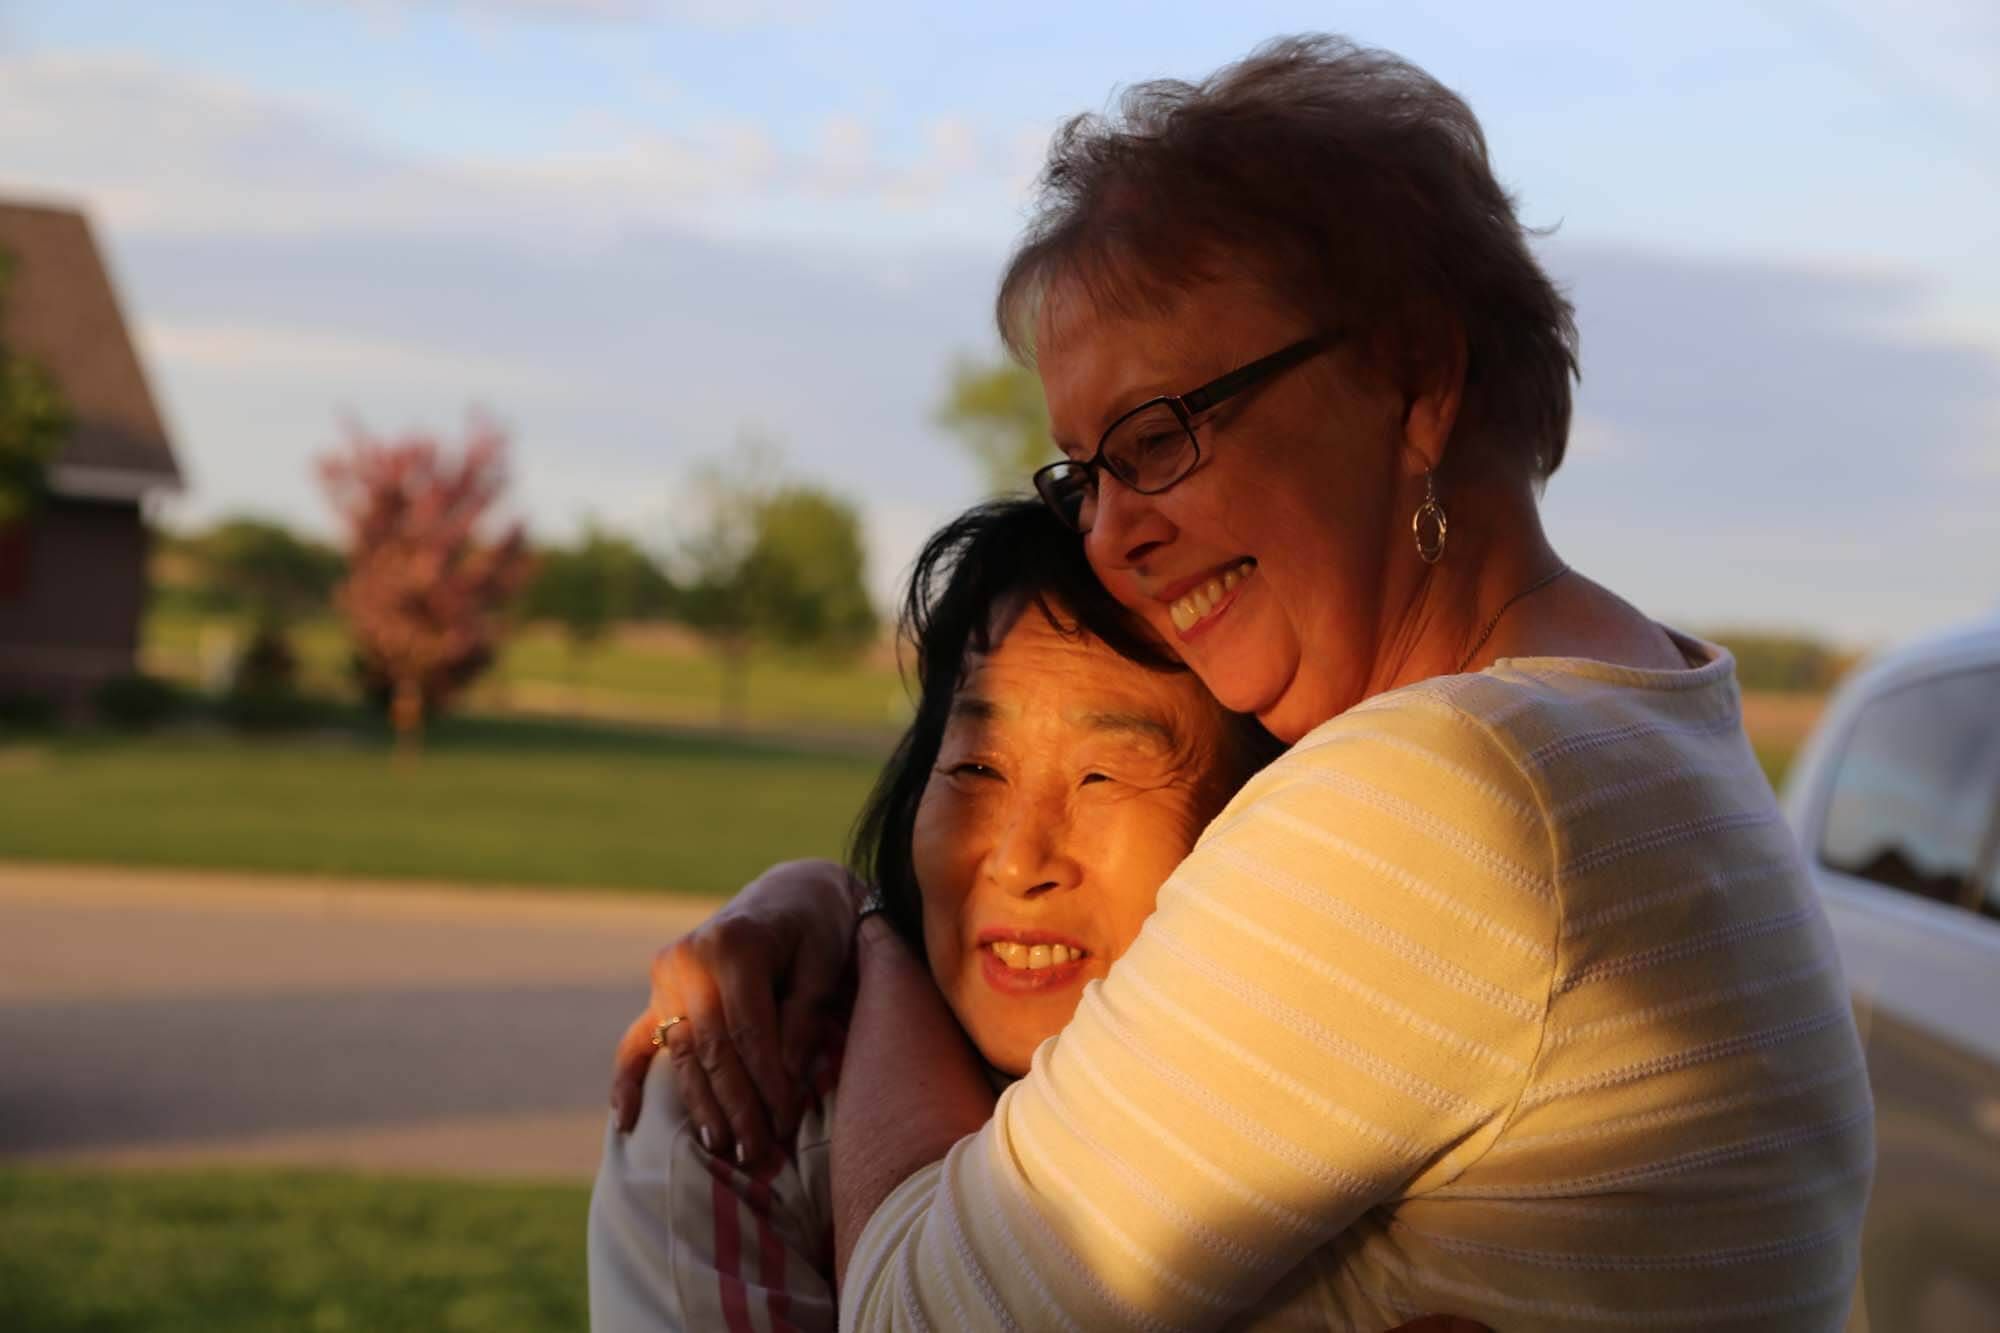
(1904, 847)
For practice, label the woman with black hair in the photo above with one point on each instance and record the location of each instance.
(1059, 765)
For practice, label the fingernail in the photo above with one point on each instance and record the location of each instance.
(707, 1140)
(742, 1156)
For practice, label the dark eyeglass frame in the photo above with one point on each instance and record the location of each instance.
(1185, 407)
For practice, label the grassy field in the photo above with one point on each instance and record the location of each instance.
(508, 800)
(639, 672)
(232, 1252)
(511, 797)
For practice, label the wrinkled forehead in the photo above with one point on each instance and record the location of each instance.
(1037, 673)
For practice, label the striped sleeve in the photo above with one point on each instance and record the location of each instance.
(1336, 1004)
(680, 1239)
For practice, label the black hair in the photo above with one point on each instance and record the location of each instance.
(992, 561)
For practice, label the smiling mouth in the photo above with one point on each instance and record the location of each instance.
(1192, 606)
(1021, 957)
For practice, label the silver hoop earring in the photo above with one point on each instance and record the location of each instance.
(1430, 514)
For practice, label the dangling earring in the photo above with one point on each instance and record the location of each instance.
(1429, 549)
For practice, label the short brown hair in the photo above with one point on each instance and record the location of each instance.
(1353, 184)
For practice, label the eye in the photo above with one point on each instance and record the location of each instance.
(970, 769)
(1089, 778)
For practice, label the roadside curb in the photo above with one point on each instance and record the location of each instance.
(28, 881)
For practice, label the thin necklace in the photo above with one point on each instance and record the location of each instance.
(1535, 587)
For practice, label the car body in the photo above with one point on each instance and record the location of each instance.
(1896, 801)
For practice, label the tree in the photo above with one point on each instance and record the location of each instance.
(264, 571)
(805, 579)
(587, 588)
(34, 424)
(770, 561)
(998, 413)
(426, 585)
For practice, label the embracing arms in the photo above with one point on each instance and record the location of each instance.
(759, 985)
(1334, 1007)
(911, 1085)
(1335, 1004)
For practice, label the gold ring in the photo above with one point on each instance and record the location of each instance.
(665, 1026)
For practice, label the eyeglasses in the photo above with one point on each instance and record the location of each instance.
(1153, 446)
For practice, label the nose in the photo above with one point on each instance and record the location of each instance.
(1031, 855)
(1126, 526)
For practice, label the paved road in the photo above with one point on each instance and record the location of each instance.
(177, 1018)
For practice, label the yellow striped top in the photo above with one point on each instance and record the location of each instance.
(1503, 995)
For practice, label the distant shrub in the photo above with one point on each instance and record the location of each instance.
(1786, 663)
(273, 708)
(135, 702)
(268, 664)
(27, 710)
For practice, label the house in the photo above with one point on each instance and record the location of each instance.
(73, 575)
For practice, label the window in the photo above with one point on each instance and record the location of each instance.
(1916, 794)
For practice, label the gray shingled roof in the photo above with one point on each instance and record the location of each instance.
(61, 312)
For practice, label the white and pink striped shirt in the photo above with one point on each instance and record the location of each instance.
(683, 1240)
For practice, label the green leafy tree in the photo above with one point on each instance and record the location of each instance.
(34, 424)
(264, 571)
(589, 587)
(775, 562)
(805, 579)
(997, 412)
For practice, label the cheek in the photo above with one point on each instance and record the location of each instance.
(1141, 843)
(944, 854)
(1121, 583)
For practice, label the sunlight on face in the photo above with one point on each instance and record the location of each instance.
(1070, 782)
(1263, 567)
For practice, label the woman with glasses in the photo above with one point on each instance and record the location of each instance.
(1503, 990)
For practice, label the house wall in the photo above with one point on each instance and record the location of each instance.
(70, 619)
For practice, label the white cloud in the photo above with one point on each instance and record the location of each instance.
(219, 157)
(1593, 436)
(265, 350)
(708, 13)
(1753, 437)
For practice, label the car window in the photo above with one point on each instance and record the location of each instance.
(1917, 789)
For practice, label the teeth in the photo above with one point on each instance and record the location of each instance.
(1198, 602)
(1035, 957)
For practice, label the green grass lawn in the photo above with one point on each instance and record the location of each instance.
(231, 1252)
(489, 800)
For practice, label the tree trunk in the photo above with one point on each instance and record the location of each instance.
(406, 715)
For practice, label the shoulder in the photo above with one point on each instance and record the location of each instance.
(1408, 823)
(1419, 764)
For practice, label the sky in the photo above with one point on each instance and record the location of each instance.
(638, 232)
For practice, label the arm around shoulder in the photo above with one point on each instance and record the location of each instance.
(1335, 1005)
(680, 1239)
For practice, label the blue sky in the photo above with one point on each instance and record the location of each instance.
(637, 230)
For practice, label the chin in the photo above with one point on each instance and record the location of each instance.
(1011, 1054)
(1240, 688)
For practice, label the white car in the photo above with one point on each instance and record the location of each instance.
(1896, 801)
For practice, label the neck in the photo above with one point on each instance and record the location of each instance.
(1435, 614)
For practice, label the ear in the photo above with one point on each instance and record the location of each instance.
(1432, 412)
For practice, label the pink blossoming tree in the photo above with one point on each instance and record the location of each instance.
(427, 585)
